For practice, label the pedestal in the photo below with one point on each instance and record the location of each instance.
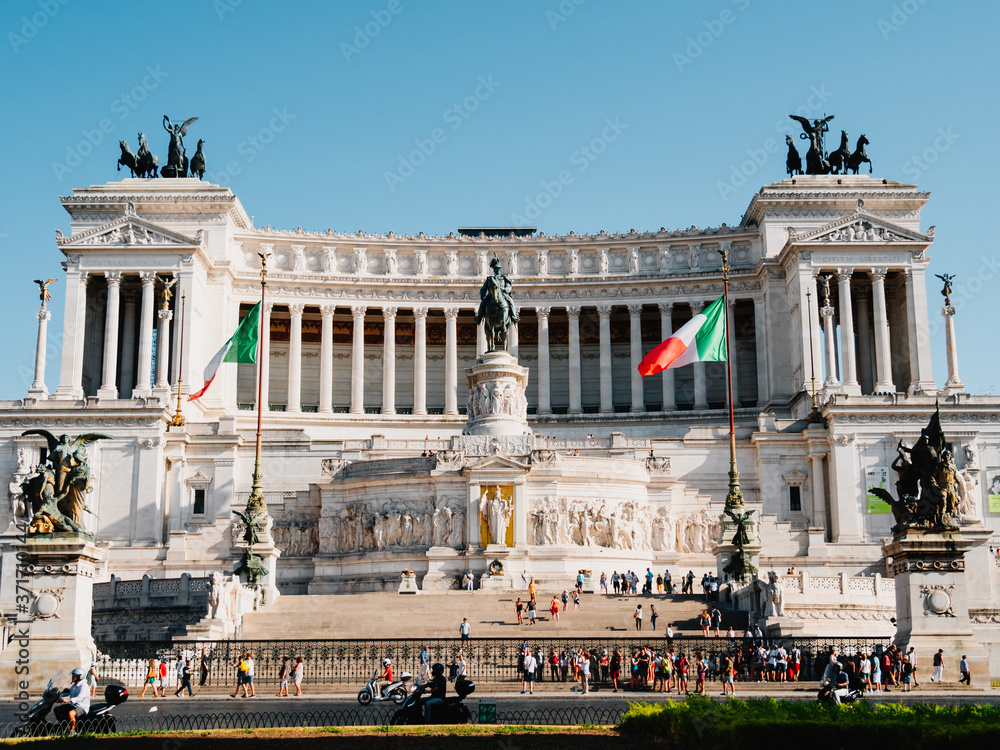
(444, 568)
(408, 583)
(54, 631)
(932, 610)
(268, 554)
(496, 402)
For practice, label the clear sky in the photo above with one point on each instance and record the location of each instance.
(314, 114)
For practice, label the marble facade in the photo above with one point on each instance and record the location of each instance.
(369, 339)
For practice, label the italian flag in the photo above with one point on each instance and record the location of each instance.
(701, 339)
(241, 347)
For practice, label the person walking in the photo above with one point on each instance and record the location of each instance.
(604, 583)
(204, 668)
(716, 617)
(616, 582)
(938, 674)
(424, 671)
(616, 668)
(963, 667)
(565, 599)
(241, 676)
(531, 612)
(728, 674)
(92, 678)
(150, 679)
(554, 608)
(528, 675)
(637, 615)
(653, 616)
(532, 589)
(912, 654)
(465, 629)
(519, 611)
(907, 671)
(283, 673)
(185, 673)
(576, 600)
(298, 671)
(161, 684)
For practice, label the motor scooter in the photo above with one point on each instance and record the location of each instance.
(394, 691)
(98, 720)
(826, 688)
(453, 711)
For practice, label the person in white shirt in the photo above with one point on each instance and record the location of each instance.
(470, 581)
(77, 703)
(253, 692)
(528, 675)
(583, 662)
(462, 667)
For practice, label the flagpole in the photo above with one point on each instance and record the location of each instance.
(255, 503)
(734, 498)
(178, 420)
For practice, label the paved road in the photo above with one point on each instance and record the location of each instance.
(506, 703)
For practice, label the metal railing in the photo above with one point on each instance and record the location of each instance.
(490, 660)
(355, 716)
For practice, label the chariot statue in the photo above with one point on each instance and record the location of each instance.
(177, 161)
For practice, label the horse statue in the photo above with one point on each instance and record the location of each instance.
(793, 162)
(127, 159)
(859, 156)
(177, 161)
(839, 158)
(198, 161)
(496, 310)
(146, 162)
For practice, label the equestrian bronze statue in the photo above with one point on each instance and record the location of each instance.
(496, 310)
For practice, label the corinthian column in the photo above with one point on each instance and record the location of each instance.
(635, 337)
(358, 360)
(451, 360)
(830, 344)
(849, 366)
(71, 369)
(420, 361)
(575, 395)
(143, 376)
(165, 315)
(295, 359)
(389, 360)
(326, 360)
(544, 393)
(109, 378)
(666, 331)
(954, 383)
(883, 352)
(37, 388)
(607, 395)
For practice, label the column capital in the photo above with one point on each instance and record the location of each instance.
(634, 310)
(296, 309)
(389, 313)
(844, 275)
(543, 312)
(826, 311)
(665, 307)
(43, 314)
(604, 311)
(420, 313)
(573, 311)
(451, 313)
(327, 311)
(877, 274)
(697, 305)
(268, 308)
(114, 278)
(358, 311)
(165, 313)
(148, 277)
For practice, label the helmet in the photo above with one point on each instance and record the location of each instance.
(78, 674)
(437, 669)
(386, 662)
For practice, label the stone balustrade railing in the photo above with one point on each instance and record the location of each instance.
(151, 592)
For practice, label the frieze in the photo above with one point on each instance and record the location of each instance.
(985, 616)
(32, 420)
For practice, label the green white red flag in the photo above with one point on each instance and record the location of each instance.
(701, 339)
(241, 347)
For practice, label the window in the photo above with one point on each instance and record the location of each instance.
(795, 498)
(199, 502)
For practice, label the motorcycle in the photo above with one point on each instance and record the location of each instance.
(454, 711)
(826, 688)
(394, 691)
(98, 720)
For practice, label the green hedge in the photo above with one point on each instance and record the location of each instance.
(699, 722)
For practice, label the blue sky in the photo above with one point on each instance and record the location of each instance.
(426, 115)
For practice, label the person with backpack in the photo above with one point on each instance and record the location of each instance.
(528, 672)
(242, 671)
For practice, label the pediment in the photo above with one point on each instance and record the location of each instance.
(130, 230)
(496, 463)
(859, 227)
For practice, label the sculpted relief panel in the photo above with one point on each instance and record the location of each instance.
(381, 525)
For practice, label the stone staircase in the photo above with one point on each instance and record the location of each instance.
(491, 614)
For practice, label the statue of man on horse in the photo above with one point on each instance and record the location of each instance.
(496, 310)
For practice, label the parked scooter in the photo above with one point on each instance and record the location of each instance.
(98, 720)
(394, 691)
(454, 711)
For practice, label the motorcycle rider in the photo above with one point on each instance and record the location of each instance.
(384, 679)
(843, 687)
(77, 703)
(438, 687)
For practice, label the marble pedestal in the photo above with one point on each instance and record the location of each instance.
(408, 583)
(932, 610)
(444, 567)
(55, 631)
(496, 402)
(268, 554)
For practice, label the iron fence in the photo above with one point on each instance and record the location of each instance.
(350, 662)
